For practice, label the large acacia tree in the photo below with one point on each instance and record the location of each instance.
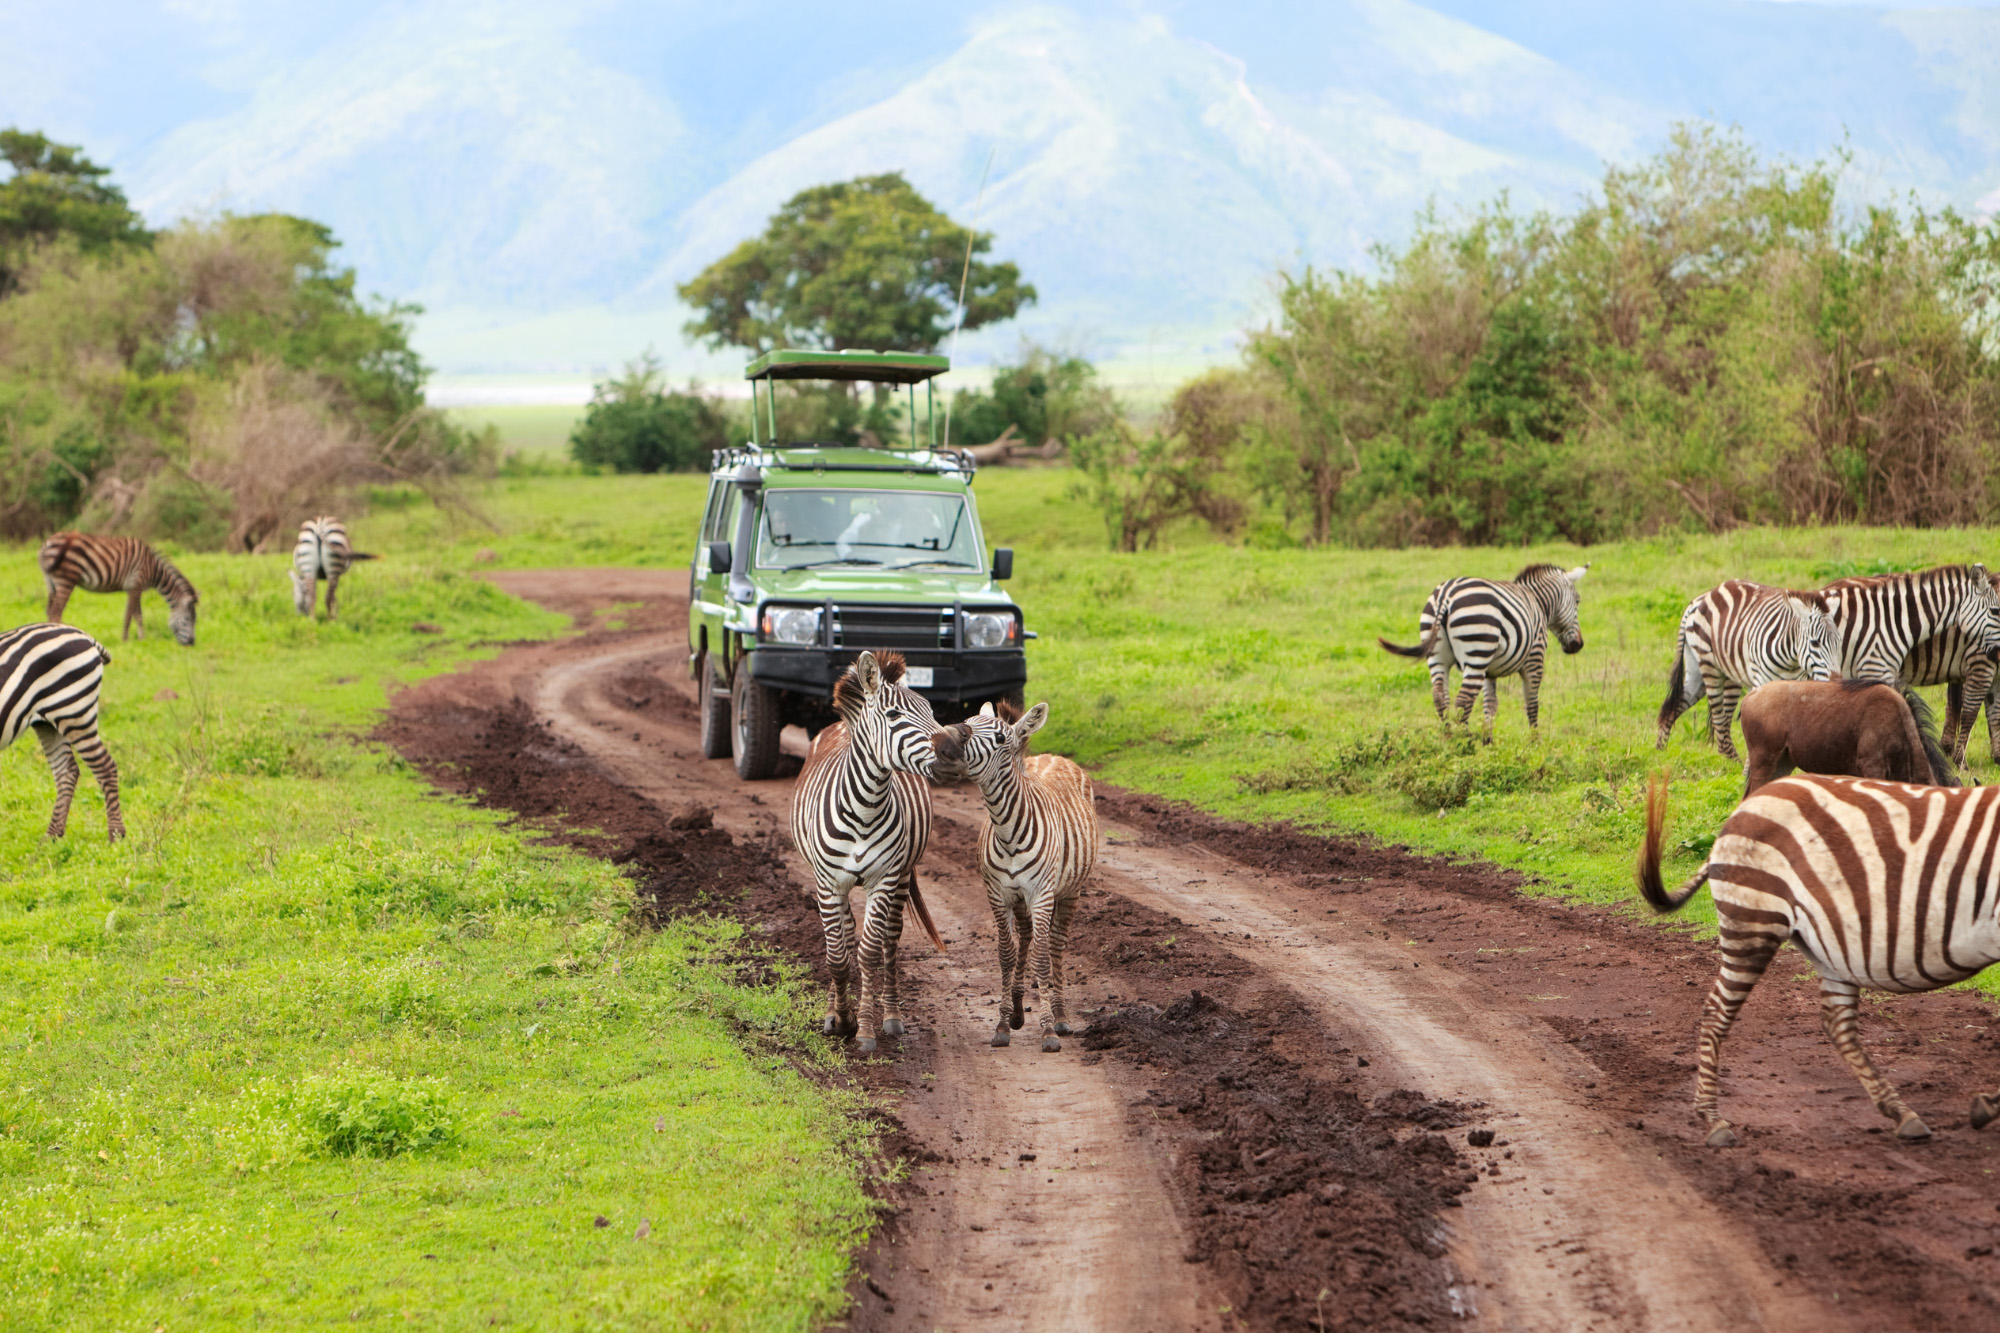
(867, 263)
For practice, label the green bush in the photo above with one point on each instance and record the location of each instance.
(636, 424)
(376, 1116)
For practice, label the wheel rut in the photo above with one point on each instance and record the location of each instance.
(1102, 1189)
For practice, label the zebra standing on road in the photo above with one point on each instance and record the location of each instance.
(72, 560)
(1738, 636)
(1037, 849)
(1884, 618)
(1489, 629)
(322, 552)
(1879, 884)
(861, 815)
(50, 676)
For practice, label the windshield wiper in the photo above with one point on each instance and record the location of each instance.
(948, 564)
(821, 564)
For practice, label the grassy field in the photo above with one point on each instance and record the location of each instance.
(1249, 681)
(538, 431)
(314, 1045)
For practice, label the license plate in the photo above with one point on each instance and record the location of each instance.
(917, 678)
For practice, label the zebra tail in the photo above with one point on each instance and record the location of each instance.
(1676, 682)
(1943, 772)
(916, 904)
(1421, 650)
(362, 555)
(1650, 887)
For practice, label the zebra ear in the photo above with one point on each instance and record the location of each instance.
(1577, 573)
(869, 673)
(986, 709)
(1031, 722)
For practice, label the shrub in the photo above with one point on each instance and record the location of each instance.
(636, 424)
(376, 1116)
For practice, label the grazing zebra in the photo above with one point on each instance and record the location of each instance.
(49, 680)
(1488, 629)
(72, 560)
(1038, 847)
(1879, 884)
(1885, 618)
(861, 814)
(1738, 636)
(1946, 659)
(322, 553)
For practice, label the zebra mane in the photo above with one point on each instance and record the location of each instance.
(1539, 567)
(847, 698)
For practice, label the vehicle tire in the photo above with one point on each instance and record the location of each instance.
(715, 742)
(755, 725)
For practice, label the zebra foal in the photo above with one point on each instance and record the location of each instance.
(1037, 849)
(861, 815)
(1879, 884)
(1738, 636)
(50, 676)
(1488, 629)
(322, 552)
(72, 560)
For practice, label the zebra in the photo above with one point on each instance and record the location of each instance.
(1884, 618)
(1489, 629)
(1879, 884)
(322, 552)
(861, 815)
(1038, 847)
(1740, 635)
(72, 560)
(1946, 659)
(50, 676)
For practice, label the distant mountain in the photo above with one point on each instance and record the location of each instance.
(542, 177)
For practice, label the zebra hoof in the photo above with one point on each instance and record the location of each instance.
(1722, 1136)
(866, 1046)
(1913, 1130)
(1051, 1045)
(1063, 1029)
(1003, 1038)
(1014, 1020)
(892, 1027)
(1984, 1110)
(830, 1026)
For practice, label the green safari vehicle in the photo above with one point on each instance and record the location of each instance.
(811, 553)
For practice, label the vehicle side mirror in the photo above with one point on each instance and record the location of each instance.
(719, 558)
(1003, 563)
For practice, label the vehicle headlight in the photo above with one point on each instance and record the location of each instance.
(792, 624)
(986, 630)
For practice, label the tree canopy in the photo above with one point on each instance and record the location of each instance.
(54, 190)
(867, 263)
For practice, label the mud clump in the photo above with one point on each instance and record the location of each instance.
(1292, 1184)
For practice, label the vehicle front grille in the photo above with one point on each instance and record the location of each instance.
(927, 628)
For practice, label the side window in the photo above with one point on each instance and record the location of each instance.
(712, 520)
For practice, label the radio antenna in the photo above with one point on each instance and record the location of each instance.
(957, 323)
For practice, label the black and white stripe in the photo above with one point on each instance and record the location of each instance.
(1879, 884)
(1738, 636)
(1885, 618)
(322, 552)
(1948, 659)
(1037, 849)
(72, 560)
(50, 676)
(861, 815)
(1488, 629)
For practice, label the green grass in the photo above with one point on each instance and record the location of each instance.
(1249, 681)
(535, 430)
(314, 1045)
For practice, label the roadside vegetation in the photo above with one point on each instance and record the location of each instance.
(314, 1045)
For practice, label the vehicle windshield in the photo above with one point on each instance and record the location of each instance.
(807, 529)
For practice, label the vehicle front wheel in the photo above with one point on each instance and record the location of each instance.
(715, 742)
(755, 713)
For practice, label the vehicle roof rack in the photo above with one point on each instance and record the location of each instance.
(841, 458)
(791, 363)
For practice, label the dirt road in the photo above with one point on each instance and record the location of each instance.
(1290, 1038)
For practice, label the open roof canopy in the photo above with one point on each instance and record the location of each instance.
(791, 363)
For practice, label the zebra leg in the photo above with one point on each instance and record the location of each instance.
(1840, 1013)
(332, 588)
(133, 615)
(1058, 940)
(1003, 919)
(1045, 981)
(88, 746)
(892, 998)
(63, 764)
(1492, 697)
(1024, 939)
(837, 923)
(1953, 738)
(59, 592)
(1531, 692)
(1440, 687)
(1744, 958)
(1471, 683)
(1722, 699)
(872, 958)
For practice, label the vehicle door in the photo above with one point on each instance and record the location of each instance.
(710, 585)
